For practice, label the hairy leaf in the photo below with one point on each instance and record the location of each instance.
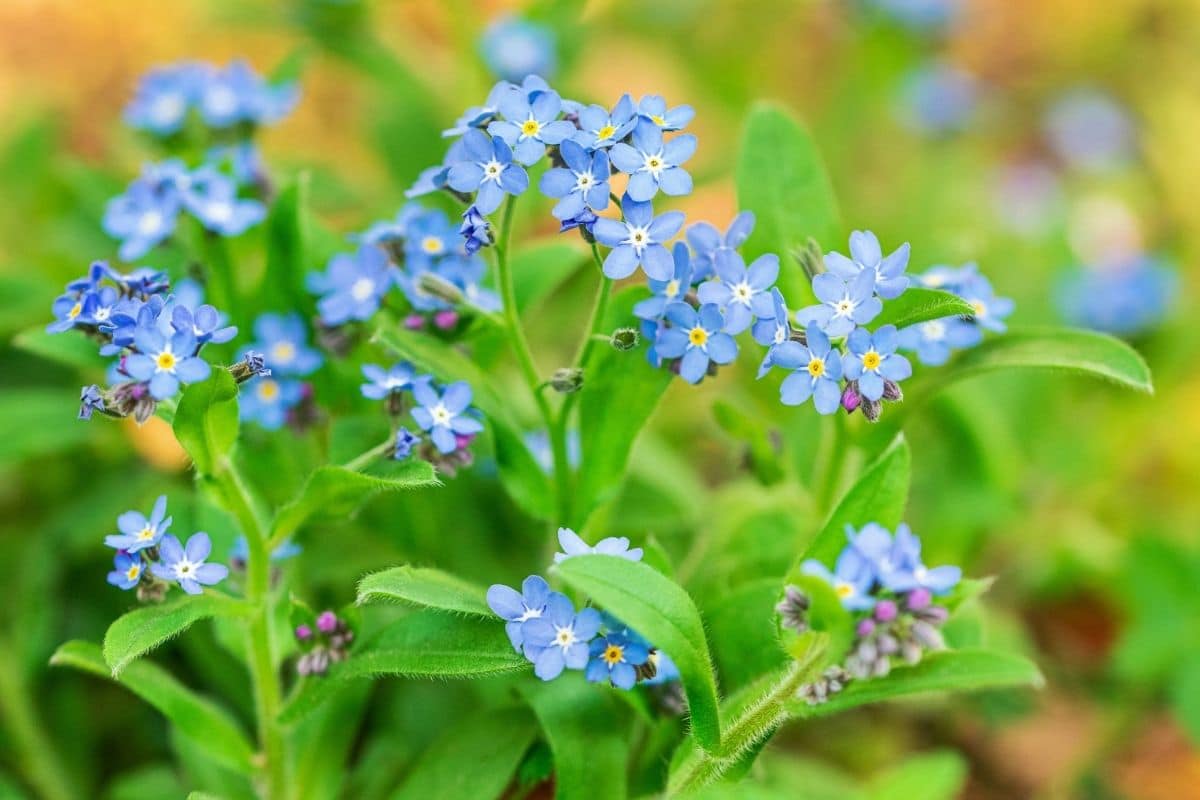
(921, 305)
(660, 610)
(200, 720)
(206, 420)
(133, 635)
(424, 587)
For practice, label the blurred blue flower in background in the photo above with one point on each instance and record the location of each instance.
(283, 341)
(353, 286)
(938, 98)
(1088, 129)
(268, 399)
(164, 96)
(923, 15)
(513, 48)
(1127, 300)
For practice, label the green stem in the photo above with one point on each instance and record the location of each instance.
(365, 458)
(35, 753)
(757, 721)
(221, 281)
(260, 643)
(520, 347)
(831, 463)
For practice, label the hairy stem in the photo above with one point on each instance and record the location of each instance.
(366, 457)
(260, 643)
(35, 753)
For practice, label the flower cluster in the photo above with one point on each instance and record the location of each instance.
(150, 558)
(223, 98)
(881, 580)
(546, 628)
(444, 414)
(934, 341)
(322, 641)
(157, 336)
(280, 394)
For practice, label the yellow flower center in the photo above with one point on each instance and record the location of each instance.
(613, 654)
(283, 352)
(980, 308)
(654, 162)
(606, 132)
(658, 120)
(816, 367)
(871, 360)
(843, 590)
(166, 361)
(133, 571)
(672, 288)
(431, 245)
(75, 310)
(530, 127)
(698, 336)
(267, 390)
(146, 533)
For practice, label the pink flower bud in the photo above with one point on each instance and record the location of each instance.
(445, 319)
(414, 322)
(885, 611)
(327, 622)
(303, 632)
(850, 398)
(918, 599)
(865, 628)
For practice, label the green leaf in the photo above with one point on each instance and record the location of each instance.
(133, 635)
(660, 610)
(930, 776)
(828, 620)
(586, 735)
(424, 644)
(424, 587)
(287, 250)
(1083, 352)
(476, 759)
(743, 629)
(921, 305)
(620, 392)
(70, 348)
(782, 179)
(744, 427)
(542, 267)
(945, 671)
(206, 421)
(36, 422)
(197, 718)
(335, 492)
(879, 495)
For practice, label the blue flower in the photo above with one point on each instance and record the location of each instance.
(615, 658)
(241, 551)
(283, 341)
(530, 123)
(237, 94)
(538, 443)
(430, 236)
(1090, 130)
(204, 323)
(696, 338)
(653, 109)
(515, 608)
(866, 255)
(480, 116)
(212, 198)
(773, 329)
(513, 48)
(935, 340)
(665, 670)
(1126, 301)
(872, 359)
(939, 98)
(139, 531)
(186, 564)
(127, 571)
(435, 178)
(164, 362)
(903, 570)
(445, 415)
(91, 400)
(638, 240)
(559, 638)
(669, 291)
(851, 579)
(143, 280)
(382, 383)
(392, 230)
(707, 242)
(990, 311)
(844, 304)
(268, 400)
(744, 293)
(598, 129)
(164, 96)
(68, 311)
(466, 272)
(653, 165)
(141, 218)
(406, 442)
(583, 183)
(573, 545)
(488, 170)
(475, 230)
(817, 372)
(585, 219)
(241, 159)
(353, 286)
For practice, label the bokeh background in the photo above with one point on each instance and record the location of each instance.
(1054, 143)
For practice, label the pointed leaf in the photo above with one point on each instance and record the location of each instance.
(921, 305)
(430, 588)
(133, 635)
(660, 610)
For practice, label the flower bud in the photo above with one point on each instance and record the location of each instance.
(414, 322)
(445, 320)
(567, 380)
(303, 632)
(928, 636)
(892, 392)
(793, 609)
(871, 409)
(253, 363)
(885, 610)
(865, 628)
(811, 258)
(625, 339)
(851, 399)
(327, 622)
(439, 287)
(918, 599)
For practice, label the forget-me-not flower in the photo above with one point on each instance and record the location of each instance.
(872, 359)
(381, 383)
(139, 531)
(488, 170)
(599, 129)
(513, 48)
(583, 183)
(283, 341)
(743, 292)
(127, 571)
(844, 304)
(707, 241)
(445, 415)
(559, 638)
(237, 94)
(934, 340)
(165, 362)
(212, 198)
(851, 579)
(141, 218)
(816, 372)
(515, 608)
(268, 400)
(669, 291)
(573, 545)
(652, 164)
(990, 311)
(866, 254)
(406, 442)
(696, 338)
(530, 123)
(653, 109)
(186, 564)
(204, 322)
(615, 658)
(475, 230)
(904, 570)
(353, 286)
(164, 96)
(638, 240)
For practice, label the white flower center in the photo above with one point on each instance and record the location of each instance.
(492, 170)
(654, 163)
(362, 289)
(844, 307)
(222, 100)
(742, 293)
(441, 415)
(167, 108)
(780, 334)
(149, 223)
(564, 637)
(934, 330)
(529, 613)
(101, 314)
(220, 212)
(584, 181)
(639, 238)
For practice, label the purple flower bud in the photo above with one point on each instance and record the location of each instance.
(885, 610)
(851, 398)
(327, 622)
(918, 599)
(445, 320)
(463, 440)
(865, 628)
(892, 391)
(303, 632)
(414, 322)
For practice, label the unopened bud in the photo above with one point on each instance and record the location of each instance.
(885, 611)
(253, 363)
(567, 380)
(851, 399)
(445, 320)
(439, 287)
(918, 599)
(871, 409)
(865, 628)
(625, 338)
(303, 632)
(811, 258)
(414, 322)
(892, 392)
(327, 622)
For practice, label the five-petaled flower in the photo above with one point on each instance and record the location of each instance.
(652, 164)
(696, 338)
(127, 570)
(517, 607)
(638, 240)
(138, 531)
(354, 285)
(707, 241)
(615, 658)
(283, 341)
(844, 304)
(381, 383)
(872, 359)
(851, 579)
(773, 330)
(743, 292)
(816, 372)
(186, 564)
(488, 170)
(598, 129)
(582, 184)
(530, 123)
(444, 415)
(653, 110)
(558, 639)
(164, 362)
(866, 255)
